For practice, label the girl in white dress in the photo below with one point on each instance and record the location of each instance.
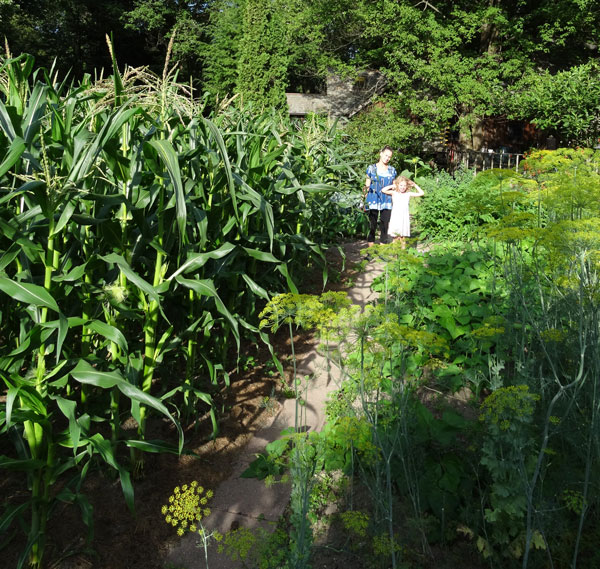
(399, 227)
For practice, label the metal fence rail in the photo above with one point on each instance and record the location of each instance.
(482, 160)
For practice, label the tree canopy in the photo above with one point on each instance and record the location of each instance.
(445, 61)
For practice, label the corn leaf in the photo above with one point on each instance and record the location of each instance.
(16, 149)
(169, 157)
(198, 260)
(85, 373)
(28, 293)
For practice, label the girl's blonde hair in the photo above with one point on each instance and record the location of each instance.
(398, 179)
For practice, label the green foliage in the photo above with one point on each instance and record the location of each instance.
(507, 453)
(569, 181)
(383, 125)
(262, 62)
(455, 296)
(133, 227)
(220, 54)
(273, 462)
(256, 549)
(459, 206)
(566, 103)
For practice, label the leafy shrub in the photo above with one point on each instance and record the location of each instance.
(458, 206)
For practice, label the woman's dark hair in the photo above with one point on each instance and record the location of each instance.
(386, 147)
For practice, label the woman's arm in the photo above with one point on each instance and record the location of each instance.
(366, 188)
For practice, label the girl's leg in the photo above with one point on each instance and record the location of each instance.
(384, 222)
(373, 215)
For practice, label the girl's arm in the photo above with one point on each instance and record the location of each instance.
(388, 189)
(418, 193)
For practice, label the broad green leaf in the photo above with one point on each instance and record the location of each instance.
(261, 255)
(9, 256)
(90, 153)
(132, 276)
(206, 287)
(65, 216)
(105, 450)
(216, 133)
(85, 373)
(156, 447)
(6, 124)
(25, 465)
(282, 268)
(10, 513)
(255, 288)
(11, 395)
(34, 112)
(15, 151)
(109, 332)
(261, 204)
(68, 410)
(63, 328)
(198, 260)
(169, 156)
(28, 293)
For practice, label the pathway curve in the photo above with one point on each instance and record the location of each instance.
(247, 502)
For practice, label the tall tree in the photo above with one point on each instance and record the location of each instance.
(457, 60)
(158, 20)
(261, 48)
(70, 33)
(263, 53)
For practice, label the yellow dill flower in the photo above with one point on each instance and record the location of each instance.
(186, 507)
(553, 335)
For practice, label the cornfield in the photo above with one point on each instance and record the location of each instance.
(139, 235)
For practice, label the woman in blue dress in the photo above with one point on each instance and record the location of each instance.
(378, 204)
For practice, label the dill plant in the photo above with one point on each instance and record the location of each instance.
(552, 274)
(185, 510)
(373, 403)
(306, 456)
(508, 454)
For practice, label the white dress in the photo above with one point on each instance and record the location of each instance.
(400, 219)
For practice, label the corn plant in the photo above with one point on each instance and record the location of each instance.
(132, 228)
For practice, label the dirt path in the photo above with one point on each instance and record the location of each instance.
(247, 502)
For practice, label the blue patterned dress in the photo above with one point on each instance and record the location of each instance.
(376, 199)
